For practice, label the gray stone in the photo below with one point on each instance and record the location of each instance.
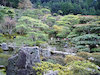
(21, 63)
(91, 58)
(4, 46)
(51, 73)
(2, 67)
(98, 67)
(46, 53)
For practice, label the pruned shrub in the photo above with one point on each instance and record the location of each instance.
(82, 68)
(85, 55)
(96, 57)
(71, 58)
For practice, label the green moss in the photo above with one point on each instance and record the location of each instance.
(1, 51)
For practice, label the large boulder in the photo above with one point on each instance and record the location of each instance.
(21, 63)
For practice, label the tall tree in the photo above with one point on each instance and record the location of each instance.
(24, 4)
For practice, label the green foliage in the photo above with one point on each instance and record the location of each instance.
(32, 23)
(85, 55)
(49, 19)
(4, 55)
(4, 59)
(85, 34)
(36, 13)
(71, 58)
(96, 57)
(2, 39)
(88, 39)
(23, 40)
(96, 49)
(10, 3)
(57, 59)
(40, 42)
(43, 67)
(24, 4)
(82, 68)
(62, 7)
(1, 51)
(64, 32)
(69, 20)
(45, 11)
(73, 68)
(5, 11)
(21, 29)
(31, 38)
(61, 31)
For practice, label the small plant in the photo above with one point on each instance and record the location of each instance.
(1, 51)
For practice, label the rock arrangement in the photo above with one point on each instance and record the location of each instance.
(21, 63)
(6, 47)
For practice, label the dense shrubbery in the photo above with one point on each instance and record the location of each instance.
(96, 57)
(33, 27)
(61, 7)
(70, 6)
(82, 68)
(73, 68)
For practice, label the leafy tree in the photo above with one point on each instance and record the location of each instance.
(24, 4)
(21, 29)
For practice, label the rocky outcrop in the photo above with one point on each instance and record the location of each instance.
(21, 63)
